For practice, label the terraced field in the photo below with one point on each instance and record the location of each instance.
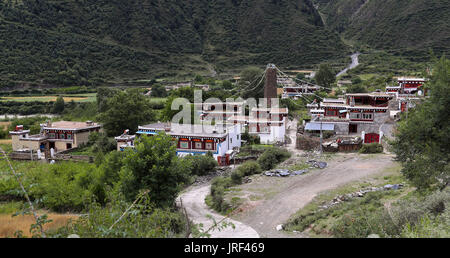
(88, 97)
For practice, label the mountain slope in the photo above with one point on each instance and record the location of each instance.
(409, 27)
(70, 42)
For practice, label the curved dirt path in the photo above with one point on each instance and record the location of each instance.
(293, 193)
(194, 202)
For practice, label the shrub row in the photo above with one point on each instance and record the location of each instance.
(271, 157)
(371, 148)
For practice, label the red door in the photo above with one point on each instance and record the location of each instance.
(403, 106)
(371, 137)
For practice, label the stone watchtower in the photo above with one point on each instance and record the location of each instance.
(270, 87)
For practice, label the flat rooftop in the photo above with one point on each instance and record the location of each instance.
(334, 100)
(410, 79)
(160, 126)
(373, 94)
(70, 125)
(197, 130)
(272, 110)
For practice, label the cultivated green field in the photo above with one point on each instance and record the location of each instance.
(85, 97)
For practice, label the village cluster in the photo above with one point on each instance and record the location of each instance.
(358, 116)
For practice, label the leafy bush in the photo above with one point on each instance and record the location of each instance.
(427, 227)
(159, 90)
(236, 177)
(249, 168)
(413, 209)
(101, 142)
(371, 148)
(250, 139)
(3, 133)
(270, 158)
(361, 223)
(218, 187)
(64, 186)
(143, 220)
(201, 164)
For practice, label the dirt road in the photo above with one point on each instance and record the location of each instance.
(355, 63)
(194, 202)
(291, 132)
(288, 195)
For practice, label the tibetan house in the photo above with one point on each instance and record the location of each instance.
(197, 139)
(410, 86)
(59, 136)
(357, 114)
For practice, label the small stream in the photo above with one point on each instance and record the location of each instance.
(355, 63)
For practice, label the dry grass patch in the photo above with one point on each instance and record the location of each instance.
(5, 141)
(4, 125)
(9, 224)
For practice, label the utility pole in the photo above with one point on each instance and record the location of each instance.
(321, 132)
(321, 137)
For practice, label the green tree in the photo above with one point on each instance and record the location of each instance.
(325, 76)
(185, 92)
(201, 164)
(356, 80)
(58, 107)
(101, 143)
(159, 91)
(126, 110)
(199, 79)
(153, 165)
(422, 138)
(111, 167)
(103, 95)
(227, 85)
(271, 157)
(356, 88)
(300, 76)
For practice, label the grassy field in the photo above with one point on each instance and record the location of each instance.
(88, 97)
(9, 224)
(158, 100)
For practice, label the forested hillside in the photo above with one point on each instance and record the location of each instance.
(71, 42)
(408, 27)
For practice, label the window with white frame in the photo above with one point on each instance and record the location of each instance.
(355, 115)
(198, 145)
(209, 146)
(367, 116)
(184, 145)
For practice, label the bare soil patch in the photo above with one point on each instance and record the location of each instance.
(282, 197)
